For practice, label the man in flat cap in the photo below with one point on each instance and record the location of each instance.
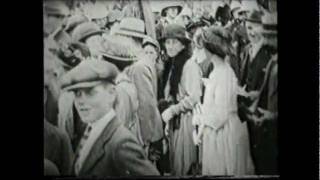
(107, 147)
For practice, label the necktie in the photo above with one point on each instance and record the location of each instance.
(81, 144)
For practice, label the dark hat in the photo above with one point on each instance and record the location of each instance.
(255, 16)
(195, 24)
(56, 7)
(175, 31)
(85, 30)
(171, 4)
(89, 73)
(269, 22)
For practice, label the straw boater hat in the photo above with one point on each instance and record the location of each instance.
(132, 27)
(171, 4)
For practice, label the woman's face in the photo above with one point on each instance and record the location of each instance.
(151, 53)
(173, 47)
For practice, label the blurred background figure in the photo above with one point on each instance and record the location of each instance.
(54, 14)
(90, 34)
(113, 22)
(99, 16)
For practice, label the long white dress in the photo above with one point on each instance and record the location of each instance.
(226, 148)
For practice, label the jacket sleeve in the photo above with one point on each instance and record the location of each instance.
(131, 159)
(148, 110)
(65, 116)
(273, 90)
(218, 111)
(192, 84)
(66, 155)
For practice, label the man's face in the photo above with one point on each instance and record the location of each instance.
(173, 47)
(94, 44)
(93, 103)
(172, 12)
(52, 22)
(254, 31)
(151, 53)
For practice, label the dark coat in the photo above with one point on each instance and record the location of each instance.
(262, 138)
(57, 148)
(116, 153)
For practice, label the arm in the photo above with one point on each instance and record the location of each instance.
(131, 159)
(148, 110)
(192, 78)
(66, 155)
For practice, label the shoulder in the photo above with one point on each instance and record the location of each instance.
(192, 66)
(54, 134)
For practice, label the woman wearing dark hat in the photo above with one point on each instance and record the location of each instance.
(182, 91)
(224, 137)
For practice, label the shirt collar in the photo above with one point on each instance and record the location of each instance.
(104, 120)
(256, 47)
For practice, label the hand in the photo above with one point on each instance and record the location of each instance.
(266, 115)
(257, 121)
(253, 95)
(205, 81)
(167, 115)
(196, 138)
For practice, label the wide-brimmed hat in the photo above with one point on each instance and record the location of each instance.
(170, 5)
(88, 74)
(85, 30)
(255, 16)
(175, 31)
(132, 27)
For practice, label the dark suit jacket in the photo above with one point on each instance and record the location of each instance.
(57, 148)
(116, 153)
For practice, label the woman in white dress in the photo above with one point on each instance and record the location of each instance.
(224, 137)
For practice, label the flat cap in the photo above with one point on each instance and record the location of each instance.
(89, 73)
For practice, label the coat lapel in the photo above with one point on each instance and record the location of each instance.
(97, 150)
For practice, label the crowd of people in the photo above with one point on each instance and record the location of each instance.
(184, 91)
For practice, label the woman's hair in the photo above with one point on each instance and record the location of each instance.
(218, 41)
(176, 64)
